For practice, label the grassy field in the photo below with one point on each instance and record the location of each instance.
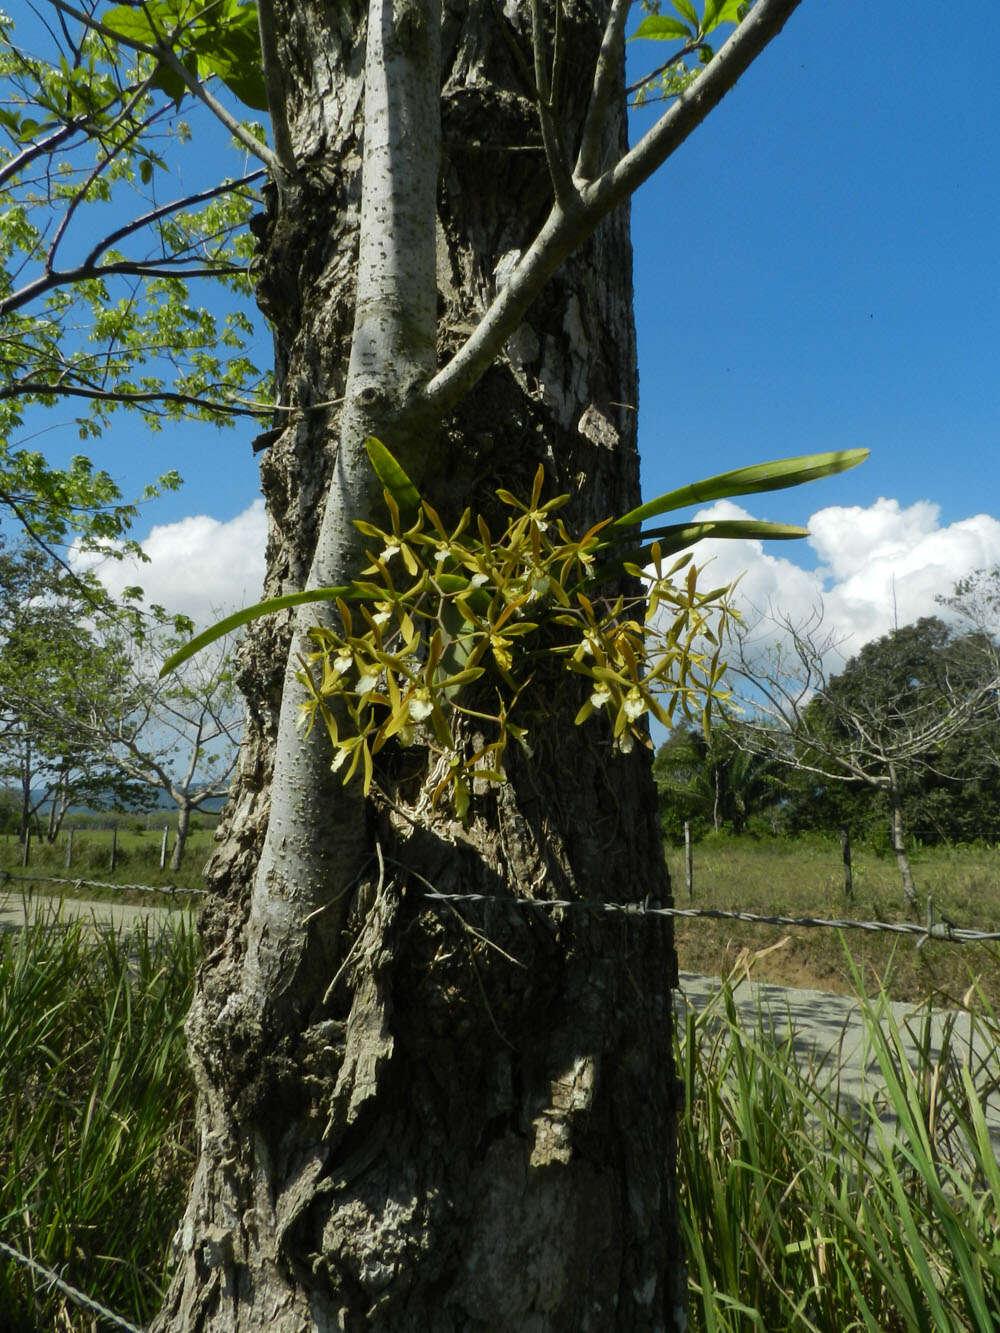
(96, 1133)
(805, 878)
(137, 858)
(797, 1217)
(800, 878)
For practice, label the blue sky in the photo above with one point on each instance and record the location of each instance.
(817, 268)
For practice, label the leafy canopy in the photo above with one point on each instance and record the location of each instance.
(104, 264)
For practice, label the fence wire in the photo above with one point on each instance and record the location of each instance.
(169, 890)
(942, 929)
(935, 930)
(78, 1297)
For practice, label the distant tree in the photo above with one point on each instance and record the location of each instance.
(177, 737)
(902, 720)
(84, 717)
(975, 600)
(47, 644)
(711, 783)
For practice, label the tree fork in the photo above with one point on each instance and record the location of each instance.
(409, 1117)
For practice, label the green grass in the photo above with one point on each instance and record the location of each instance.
(805, 878)
(95, 1114)
(137, 860)
(797, 1214)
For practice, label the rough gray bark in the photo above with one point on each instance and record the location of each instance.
(411, 1115)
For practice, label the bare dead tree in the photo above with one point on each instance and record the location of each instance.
(872, 723)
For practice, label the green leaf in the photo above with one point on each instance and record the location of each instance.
(223, 41)
(719, 11)
(145, 171)
(132, 24)
(659, 29)
(687, 9)
(753, 480)
(229, 46)
(681, 535)
(239, 618)
(730, 11)
(392, 476)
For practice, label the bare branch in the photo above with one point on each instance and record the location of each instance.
(33, 151)
(165, 210)
(95, 175)
(120, 268)
(675, 59)
(559, 173)
(222, 407)
(607, 75)
(272, 84)
(719, 76)
(571, 221)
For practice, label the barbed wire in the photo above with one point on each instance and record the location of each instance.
(936, 930)
(942, 929)
(168, 890)
(79, 1297)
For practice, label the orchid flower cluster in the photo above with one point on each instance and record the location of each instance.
(437, 610)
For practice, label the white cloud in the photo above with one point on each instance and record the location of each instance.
(200, 566)
(879, 566)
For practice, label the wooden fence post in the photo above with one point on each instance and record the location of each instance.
(688, 861)
(114, 850)
(845, 834)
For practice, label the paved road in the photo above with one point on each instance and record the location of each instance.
(830, 1028)
(16, 908)
(826, 1026)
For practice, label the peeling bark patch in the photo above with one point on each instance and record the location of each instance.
(596, 427)
(569, 1095)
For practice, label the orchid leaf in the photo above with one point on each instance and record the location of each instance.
(682, 535)
(392, 476)
(240, 618)
(753, 480)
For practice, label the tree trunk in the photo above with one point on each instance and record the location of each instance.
(183, 820)
(26, 776)
(898, 839)
(415, 1115)
(845, 847)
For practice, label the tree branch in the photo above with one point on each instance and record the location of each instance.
(120, 268)
(559, 173)
(719, 76)
(606, 75)
(155, 214)
(272, 83)
(571, 222)
(94, 175)
(193, 84)
(39, 149)
(236, 407)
